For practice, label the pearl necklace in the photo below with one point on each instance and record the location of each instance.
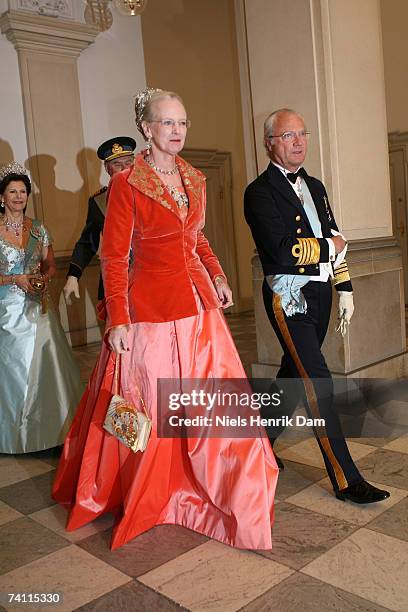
(161, 170)
(15, 226)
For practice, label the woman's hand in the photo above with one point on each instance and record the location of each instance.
(224, 292)
(118, 339)
(23, 281)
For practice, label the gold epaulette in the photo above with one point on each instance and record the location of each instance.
(307, 251)
(341, 274)
(101, 190)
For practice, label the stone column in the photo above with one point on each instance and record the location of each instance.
(48, 48)
(324, 59)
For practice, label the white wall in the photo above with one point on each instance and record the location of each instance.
(13, 143)
(111, 71)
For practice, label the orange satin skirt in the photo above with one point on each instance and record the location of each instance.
(220, 487)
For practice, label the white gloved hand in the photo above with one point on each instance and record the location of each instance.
(346, 309)
(71, 287)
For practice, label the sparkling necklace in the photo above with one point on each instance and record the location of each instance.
(15, 226)
(161, 170)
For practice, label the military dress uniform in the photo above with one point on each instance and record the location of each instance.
(291, 241)
(88, 244)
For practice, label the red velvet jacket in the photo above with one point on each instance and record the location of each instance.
(168, 255)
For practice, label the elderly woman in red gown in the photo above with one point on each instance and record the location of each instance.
(164, 316)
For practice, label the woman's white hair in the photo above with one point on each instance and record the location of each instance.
(144, 104)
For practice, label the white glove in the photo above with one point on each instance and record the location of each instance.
(71, 287)
(346, 309)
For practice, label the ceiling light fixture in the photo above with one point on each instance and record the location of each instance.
(130, 7)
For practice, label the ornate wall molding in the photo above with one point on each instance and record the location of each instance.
(29, 32)
(62, 9)
(397, 138)
(98, 14)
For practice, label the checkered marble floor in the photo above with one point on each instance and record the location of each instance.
(326, 555)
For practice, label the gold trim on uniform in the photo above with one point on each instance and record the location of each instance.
(307, 251)
(101, 190)
(118, 151)
(341, 274)
(310, 392)
(341, 278)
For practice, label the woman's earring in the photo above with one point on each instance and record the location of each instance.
(149, 143)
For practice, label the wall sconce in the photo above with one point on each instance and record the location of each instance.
(130, 7)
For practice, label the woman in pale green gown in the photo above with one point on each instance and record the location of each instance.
(39, 379)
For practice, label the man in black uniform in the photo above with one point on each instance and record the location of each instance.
(117, 155)
(300, 249)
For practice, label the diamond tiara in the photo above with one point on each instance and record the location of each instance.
(142, 99)
(12, 168)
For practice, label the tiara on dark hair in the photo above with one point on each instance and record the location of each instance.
(12, 168)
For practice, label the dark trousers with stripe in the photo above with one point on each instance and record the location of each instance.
(301, 337)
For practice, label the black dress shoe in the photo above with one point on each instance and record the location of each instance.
(362, 493)
(279, 463)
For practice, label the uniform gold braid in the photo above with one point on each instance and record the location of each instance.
(296, 251)
(307, 251)
(315, 252)
(341, 278)
(341, 274)
(302, 254)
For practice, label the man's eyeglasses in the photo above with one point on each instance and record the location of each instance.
(170, 123)
(291, 136)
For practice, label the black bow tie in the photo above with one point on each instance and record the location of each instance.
(292, 176)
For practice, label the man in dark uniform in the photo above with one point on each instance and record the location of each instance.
(117, 155)
(300, 249)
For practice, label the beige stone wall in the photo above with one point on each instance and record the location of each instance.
(394, 17)
(357, 116)
(190, 47)
(13, 143)
(331, 70)
(59, 109)
(324, 58)
(110, 72)
(282, 68)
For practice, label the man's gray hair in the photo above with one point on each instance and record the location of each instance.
(269, 123)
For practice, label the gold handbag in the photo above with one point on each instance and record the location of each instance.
(123, 420)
